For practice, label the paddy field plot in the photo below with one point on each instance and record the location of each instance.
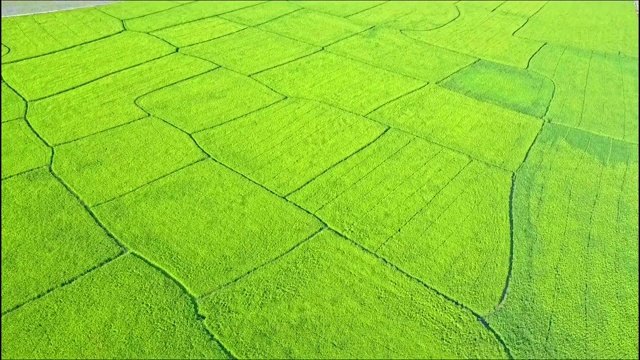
(327, 179)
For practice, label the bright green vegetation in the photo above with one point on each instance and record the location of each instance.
(484, 131)
(408, 15)
(321, 179)
(47, 239)
(596, 26)
(347, 84)
(517, 89)
(29, 36)
(206, 206)
(525, 9)
(208, 100)
(404, 198)
(251, 50)
(105, 165)
(198, 31)
(338, 8)
(304, 306)
(595, 92)
(134, 9)
(260, 14)
(108, 102)
(192, 11)
(483, 34)
(21, 149)
(289, 143)
(34, 78)
(313, 28)
(575, 298)
(126, 309)
(391, 50)
(13, 107)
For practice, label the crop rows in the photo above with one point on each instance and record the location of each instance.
(320, 180)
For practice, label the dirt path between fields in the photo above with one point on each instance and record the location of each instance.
(18, 8)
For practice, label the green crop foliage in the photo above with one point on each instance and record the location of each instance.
(208, 100)
(109, 164)
(13, 107)
(513, 88)
(575, 298)
(134, 9)
(47, 238)
(338, 8)
(483, 34)
(484, 131)
(418, 205)
(251, 50)
(206, 206)
(260, 14)
(352, 86)
(313, 27)
(305, 306)
(391, 50)
(595, 26)
(34, 78)
(108, 102)
(5, 50)
(197, 31)
(192, 11)
(125, 310)
(594, 91)
(289, 143)
(525, 9)
(29, 36)
(408, 15)
(21, 149)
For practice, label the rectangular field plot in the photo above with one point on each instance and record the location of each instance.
(35, 78)
(611, 26)
(259, 14)
(408, 15)
(209, 99)
(595, 92)
(206, 225)
(251, 50)
(338, 8)
(525, 9)
(132, 9)
(521, 90)
(289, 143)
(338, 81)
(193, 11)
(13, 107)
(409, 200)
(483, 34)
(108, 102)
(312, 27)
(29, 36)
(574, 288)
(134, 309)
(21, 149)
(328, 298)
(487, 132)
(105, 165)
(393, 51)
(197, 31)
(48, 238)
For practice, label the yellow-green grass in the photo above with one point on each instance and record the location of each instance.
(208, 100)
(126, 309)
(288, 144)
(173, 221)
(408, 15)
(22, 150)
(108, 102)
(47, 239)
(330, 299)
(13, 106)
(574, 289)
(261, 13)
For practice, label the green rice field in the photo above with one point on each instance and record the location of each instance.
(321, 179)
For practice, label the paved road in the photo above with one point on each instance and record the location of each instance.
(16, 8)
